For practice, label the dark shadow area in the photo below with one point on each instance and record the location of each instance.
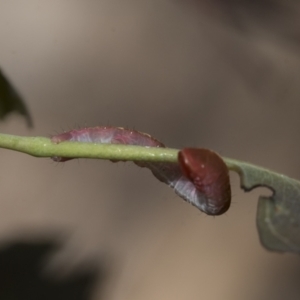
(252, 27)
(287, 285)
(280, 18)
(22, 277)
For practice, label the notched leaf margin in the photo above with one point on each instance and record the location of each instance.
(278, 216)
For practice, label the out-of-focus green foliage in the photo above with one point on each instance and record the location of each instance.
(11, 101)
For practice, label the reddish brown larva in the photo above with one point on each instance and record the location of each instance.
(210, 175)
(206, 188)
(105, 135)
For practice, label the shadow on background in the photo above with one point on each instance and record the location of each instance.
(279, 17)
(22, 277)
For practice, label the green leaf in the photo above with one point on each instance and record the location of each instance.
(278, 216)
(11, 101)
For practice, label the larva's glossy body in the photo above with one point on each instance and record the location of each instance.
(199, 190)
(208, 172)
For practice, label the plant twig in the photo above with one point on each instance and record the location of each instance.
(43, 147)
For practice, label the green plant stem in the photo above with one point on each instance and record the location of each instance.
(43, 147)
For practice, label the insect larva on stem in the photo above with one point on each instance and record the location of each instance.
(200, 178)
(210, 175)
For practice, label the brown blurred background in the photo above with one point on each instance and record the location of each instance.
(217, 74)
